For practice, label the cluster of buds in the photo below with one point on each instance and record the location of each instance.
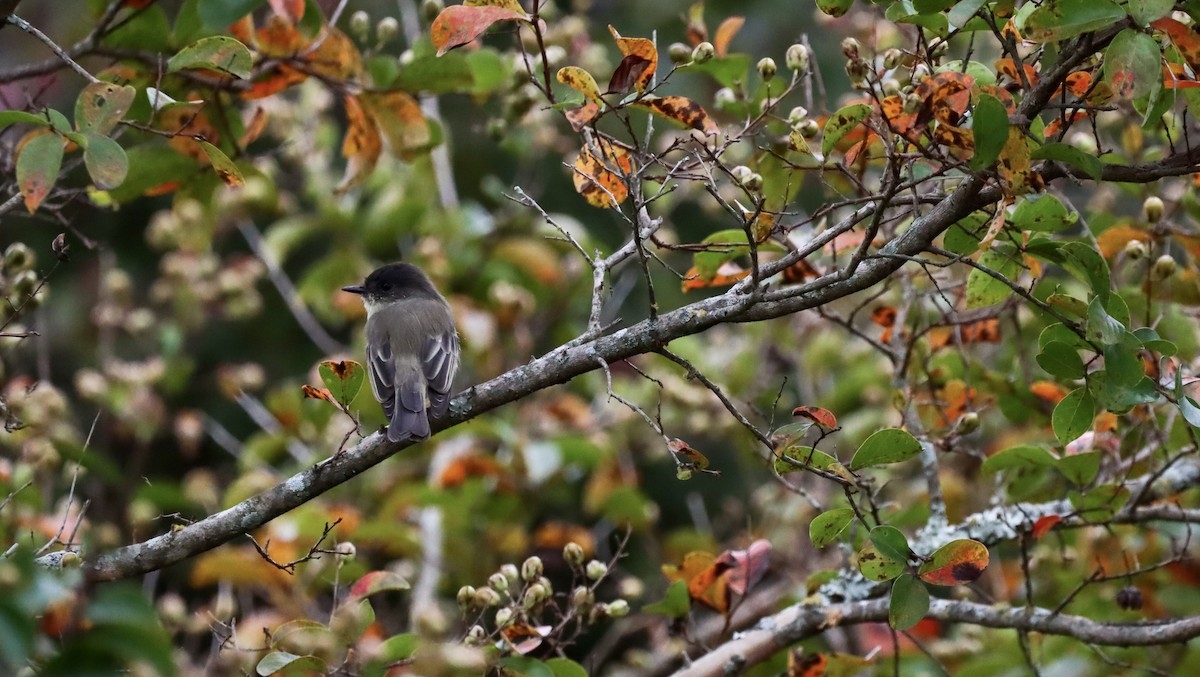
(747, 178)
(856, 66)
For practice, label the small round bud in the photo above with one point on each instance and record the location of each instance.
(857, 70)
(725, 97)
(573, 554)
(387, 29)
(346, 551)
(498, 582)
(430, 9)
(504, 616)
(596, 570)
(940, 49)
(890, 87)
(466, 595)
(892, 58)
(24, 283)
(510, 572)
(797, 115)
(582, 597)
(360, 24)
(967, 423)
(809, 129)
(767, 68)
(1164, 267)
(1135, 249)
(535, 595)
(741, 173)
(851, 47)
(754, 183)
(487, 597)
(532, 568)
(704, 52)
(18, 257)
(476, 635)
(796, 58)
(683, 474)
(913, 102)
(1129, 598)
(1152, 209)
(618, 608)
(679, 53)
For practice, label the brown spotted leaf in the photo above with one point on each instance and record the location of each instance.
(317, 393)
(595, 181)
(1186, 40)
(1014, 165)
(39, 157)
(682, 110)
(222, 165)
(337, 57)
(581, 81)
(400, 118)
(506, 4)
(638, 47)
(628, 73)
(362, 144)
(581, 116)
(956, 563)
(459, 24)
(185, 123)
(101, 105)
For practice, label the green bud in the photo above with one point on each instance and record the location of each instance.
(967, 423)
(18, 257)
(386, 30)
(535, 595)
(683, 474)
(798, 115)
(857, 70)
(573, 554)
(767, 68)
(890, 87)
(754, 182)
(741, 173)
(476, 635)
(809, 129)
(466, 596)
(504, 616)
(360, 24)
(1152, 209)
(892, 58)
(487, 597)
(430, 9)
(510, 572)
(582, 597)
(596, 570)
(1164, 267)
(24, 283)
(851, 47)
(679, 53)
(797, 58)
(618, 608)
(704, 52)
(532, 568)
(346, 551)
(1135, 249)
(498, 582)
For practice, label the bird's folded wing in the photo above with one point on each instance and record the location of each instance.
(439, 362)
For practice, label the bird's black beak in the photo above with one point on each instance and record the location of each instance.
(355, 289)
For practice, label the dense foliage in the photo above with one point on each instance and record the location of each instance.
(819, 338)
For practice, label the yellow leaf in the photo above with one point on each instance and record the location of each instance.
(361, 147)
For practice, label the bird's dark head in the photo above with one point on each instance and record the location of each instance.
(393, 282)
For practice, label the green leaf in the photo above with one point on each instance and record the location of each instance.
(1068, 304)
(1064, 152)
(1043, 213)
(1101, 326)
(890, 542)
(875, 566)
(840, 124)
(14, 117)
(219, 14)
(1187, 406)
(524, 666)
(1020, 458)
(280, 660)
(1086, 264)
(222, 165)
(958, 562)
(105, 160)
(1080, 469)
(565, 667)
(990, 128)
(1145, 11)
(725, 246)
(1073, 415)
(805, 456)
(150, 166)
(1131, 65)
(1059, 332)
(983, 289)
(676, 604)
(909, 602)
(834, 8)
(727, 70)
(101, 105)
(963, 11)
(1062, 19)
(343, 378)
(1061, 360)
(149, 29)
(1119, 398)
(826, 527)
(890, 445)
(1098, 504)
(1122, 362)
(218, 52)
(963, 237)
(37, 168)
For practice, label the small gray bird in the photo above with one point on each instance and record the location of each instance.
(412, 347)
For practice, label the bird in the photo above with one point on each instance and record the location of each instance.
(412, 348)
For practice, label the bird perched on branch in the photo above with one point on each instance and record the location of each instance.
(412, 347)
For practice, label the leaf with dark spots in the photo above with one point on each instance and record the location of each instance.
(627, 74)
(682, 110)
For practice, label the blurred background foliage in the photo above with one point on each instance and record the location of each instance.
(166, 343)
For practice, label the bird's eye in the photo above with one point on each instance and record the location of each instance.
(386, 286)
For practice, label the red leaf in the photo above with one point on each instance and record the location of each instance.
(822, 417)
(745, 567)
(459, 24)
(1044, 525)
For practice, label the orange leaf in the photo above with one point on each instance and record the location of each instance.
(318, 393)
(274, 81)
(243, 30)
(1014, 165)
(725, 33)
(955, 563)
(1044, 524)
(727, 274)
(337, 57)
(1113, 240)
(361, 147)
(704, 579)
(185, 122)
(401, 120)
(884, 316)
(1048, 391)
(980, 331)
(280, 37)
(638, 47)
(581, 116)
(1008, 68)
(822, 417)
(595, 181)
(1186, 40)
(1055, 127)
(459, 24)
(681, 109)
(800, 664)
(254, 129)
(697, 31)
